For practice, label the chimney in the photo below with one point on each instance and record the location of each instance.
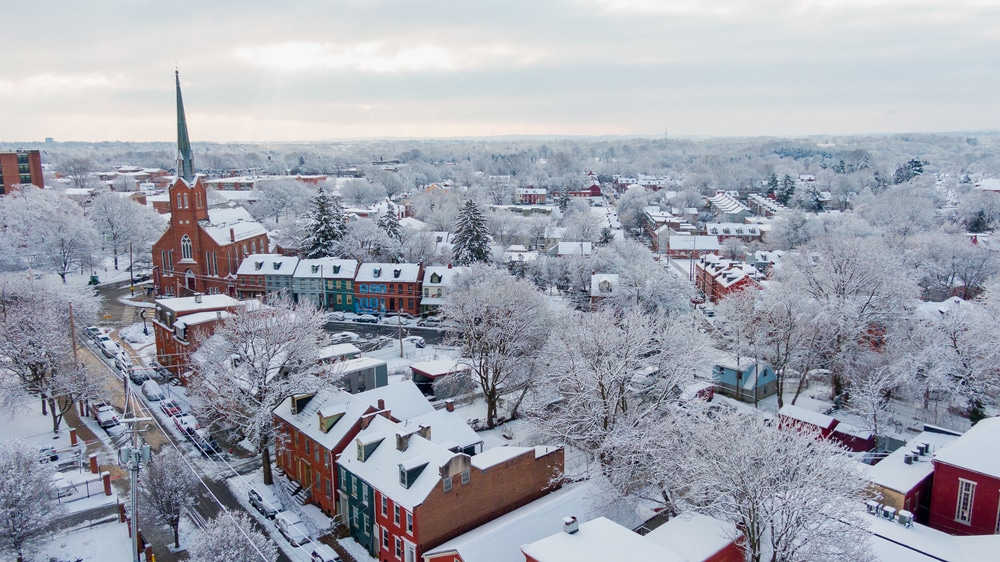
(232, 235)
(402, 441)
(197, 298)
(570, 525)
(381, 404)
(449, 405)
(425, 432)
(449, 266)
(365, 421)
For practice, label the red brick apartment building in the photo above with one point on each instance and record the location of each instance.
(179, 323)
(965, 499)
(20, 167)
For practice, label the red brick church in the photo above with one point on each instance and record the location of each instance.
(202, 248)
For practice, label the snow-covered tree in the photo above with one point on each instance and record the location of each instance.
(472, 237)
(44, 229)
(231, 535)
(28, 505)
(121, 222)
(327, 226)
(609, 371)
(167, 487)
(791, 496)
(361, 193)
(80, 172)
(280, 198)
(389, 222)
(36, 344)
(500, 325)
(366, 242)
(258, 357)
(870, 385)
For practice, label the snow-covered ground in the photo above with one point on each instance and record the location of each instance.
(98, 541)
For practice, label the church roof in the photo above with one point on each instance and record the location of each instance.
(238, 220)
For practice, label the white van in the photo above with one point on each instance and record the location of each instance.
(152, 391)
(292, 528)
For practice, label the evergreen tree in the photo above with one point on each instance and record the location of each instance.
(327, 226)
(772, 185)
(562, 200)
(607, 236)
(784, 195)
(390, 224)
(472, 237)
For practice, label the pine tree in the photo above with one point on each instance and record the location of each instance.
(607, 236)
(390, 224)
(784, 195)
(773, 185)
(562, 200)
(327, 226)
(472, 238)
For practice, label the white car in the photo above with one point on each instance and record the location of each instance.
(344, 337)
(109, 347)
(107, 416)
(291, 527)
(335, 316)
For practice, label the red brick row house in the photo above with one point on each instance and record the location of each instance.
(404, 491)
(719, 277)
(180, 322)
(388, 287)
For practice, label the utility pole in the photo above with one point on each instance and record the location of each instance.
(134, 457)
(131, 271)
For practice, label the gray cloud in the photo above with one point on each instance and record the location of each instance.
(252, 70)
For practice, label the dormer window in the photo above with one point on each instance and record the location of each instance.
(336, 269)
(257, 265)
(396, 273)
(376, 272)
(315, 268)
(435, 278)
(410, 470)
(276, 265)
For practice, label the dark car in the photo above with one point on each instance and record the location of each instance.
(138, 375)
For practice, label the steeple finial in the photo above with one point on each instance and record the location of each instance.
(185, 163)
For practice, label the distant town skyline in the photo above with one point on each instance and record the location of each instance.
(312, 71)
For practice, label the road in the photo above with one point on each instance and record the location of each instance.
(431, 335)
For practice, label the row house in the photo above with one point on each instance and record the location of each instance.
(180, 323)
(315, 429)
(326, 282)
(683, 246)
(825, 427)
(388, 287)
(438, 282)
(741, 231)
(764, 206)
(404, 491)
(530, 196)
(719, 277)
(728, 208)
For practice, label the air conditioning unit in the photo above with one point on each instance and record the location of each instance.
(905, 518)
(907, 459)
(888, 513)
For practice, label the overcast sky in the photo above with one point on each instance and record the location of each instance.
(286, 70)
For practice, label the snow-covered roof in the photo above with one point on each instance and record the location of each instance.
(892, 542)
(447, 274)
(604, 284)
(381, 467)
(388, 272)
(326, 268)
(438, 367)
(351, 365)
(977, 450)
(410, 222)
(236, 219)
(337, 350)
(201, 318)
(931, 310)
(498, 455)
(329, 401)
(598, 540)
(798, 413)
(448, 429)
(403, 399)
(500, 540)
(191, 304)
(268, 264)
(694, 536)
(575, 249)
(688, 242)
(894, 474)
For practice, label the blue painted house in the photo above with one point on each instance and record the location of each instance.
(749, 382)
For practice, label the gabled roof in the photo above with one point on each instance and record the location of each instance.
(370, 272)
(329, 400)
(598, 540)
(694, 536)
(264, 264)
(604, 284)
(381, 469)
(977, 450)
(326, 268)
(893, 473)
(447, 274)
(222, 220)
(403, 399)
(448, 429)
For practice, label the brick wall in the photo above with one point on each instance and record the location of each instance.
(944, 500)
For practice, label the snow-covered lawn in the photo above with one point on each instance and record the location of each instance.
(106, 540)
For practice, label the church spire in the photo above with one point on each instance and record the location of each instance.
(185, 163)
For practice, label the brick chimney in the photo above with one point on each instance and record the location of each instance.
(449, 405)
(381, 404)
(232, 235)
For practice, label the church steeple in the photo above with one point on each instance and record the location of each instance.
(185, 163)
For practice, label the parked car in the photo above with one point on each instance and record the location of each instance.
(138, 375)
(417, 341)
(47, 454)
(205, 443)
(109, 347)
(335, 316)
(186, 423)
(366, 319)
(93, 332)
(61, 486)
(323, 553)
(395, 320)
(123, 361)
(291, 527)
(107, 416)
(429, 322)
(152, 391)
(170, 407)
(265, 502)
(343, 337)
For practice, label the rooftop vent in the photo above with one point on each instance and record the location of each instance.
(570, 525)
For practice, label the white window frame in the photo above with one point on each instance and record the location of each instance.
(966, 497)
(186, 247)
(409, 523)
